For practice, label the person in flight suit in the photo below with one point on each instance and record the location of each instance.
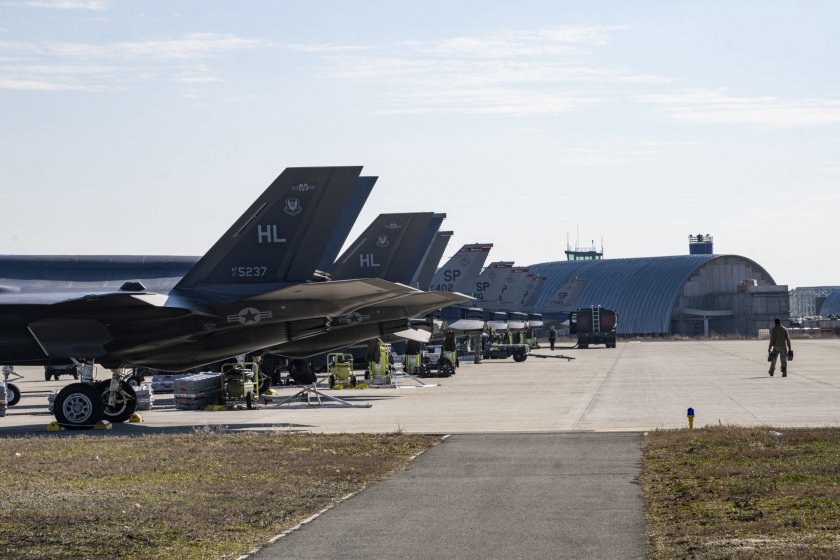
(779, 346)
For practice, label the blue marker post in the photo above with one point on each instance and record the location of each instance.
(690, 418)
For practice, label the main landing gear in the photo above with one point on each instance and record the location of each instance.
(12, 396)
(85, 404)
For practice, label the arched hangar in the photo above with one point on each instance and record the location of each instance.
(690, 295)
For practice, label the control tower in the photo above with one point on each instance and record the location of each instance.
(701, 244)
(579, 253)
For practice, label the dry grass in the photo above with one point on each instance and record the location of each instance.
(203, 495)
(744, 493)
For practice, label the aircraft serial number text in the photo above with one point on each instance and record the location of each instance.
(248, 271)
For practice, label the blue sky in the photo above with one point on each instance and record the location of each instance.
(148, 127)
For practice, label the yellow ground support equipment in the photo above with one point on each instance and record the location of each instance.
(340, 370)
(447, 362)
(414, 365)
(382, 370)
(239, 383)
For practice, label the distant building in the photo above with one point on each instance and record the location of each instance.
(691, 295)
(808, 301)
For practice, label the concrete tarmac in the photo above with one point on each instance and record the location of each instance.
(637, 386)
(488, 496)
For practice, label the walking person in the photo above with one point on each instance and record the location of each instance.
(779, 346)
(552, 336)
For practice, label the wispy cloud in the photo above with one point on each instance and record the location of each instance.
(95, 5)
(62, 66)
(509, 72)
(717, 107)
(542, 72)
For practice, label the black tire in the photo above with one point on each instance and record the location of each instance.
(126, 403)
(520, 356)
(79, 406)
(367, 374)
(445, 368)
(12, 394)
(47, 374)
(249, 401)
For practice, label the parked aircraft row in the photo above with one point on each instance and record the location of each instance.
(263, 287)
(271, 284)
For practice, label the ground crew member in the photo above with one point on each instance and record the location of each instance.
(779, 345)
(552, 336)
(374, 355)
(449, 341)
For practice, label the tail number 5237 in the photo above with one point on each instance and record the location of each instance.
(248, 271)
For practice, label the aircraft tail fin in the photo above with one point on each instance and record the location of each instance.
(348, 217)
(529, 299)
(460, 272)
(424, 275)
(491, 285)
(390, 248)
(264, 248)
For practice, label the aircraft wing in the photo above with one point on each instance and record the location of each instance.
(497, 325)
(412, 334)
(423, 302)
(67, 325)
(467, 325)
(332, 298)
(385, 318)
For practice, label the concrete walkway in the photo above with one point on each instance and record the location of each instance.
(505, 496)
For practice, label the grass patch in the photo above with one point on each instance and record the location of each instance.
(742, 493)
(196, 496)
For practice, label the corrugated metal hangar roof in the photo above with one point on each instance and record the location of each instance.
(642, 290)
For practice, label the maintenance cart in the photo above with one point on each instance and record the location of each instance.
(340, 370)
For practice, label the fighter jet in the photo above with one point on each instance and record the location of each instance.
(256, 287)
(391, 248)
(459, 274)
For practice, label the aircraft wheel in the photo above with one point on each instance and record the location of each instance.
(12, 394)
(79, 406)
(126, 401)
